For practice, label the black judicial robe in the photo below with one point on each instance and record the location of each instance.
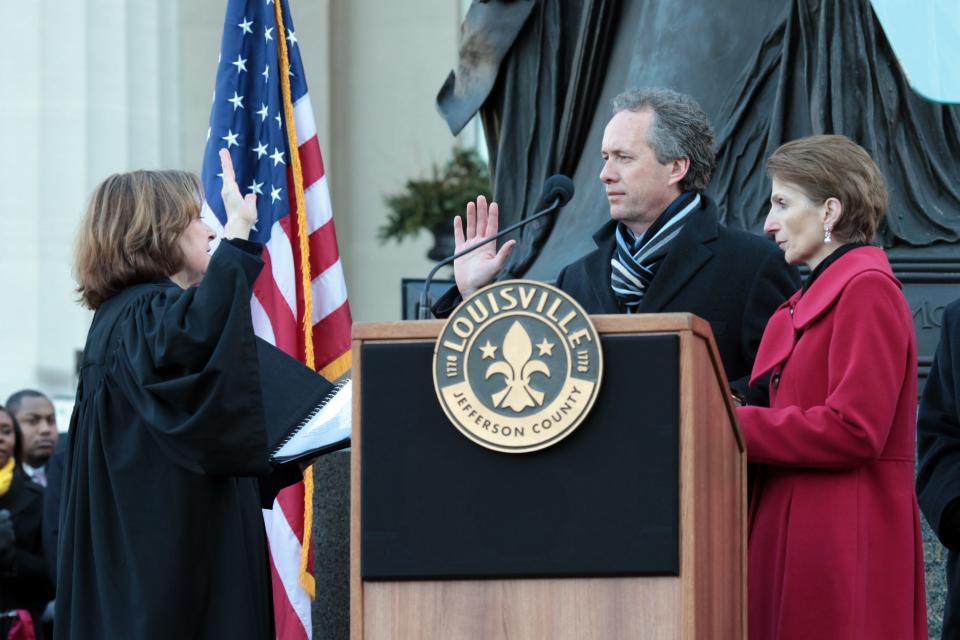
(161, 533)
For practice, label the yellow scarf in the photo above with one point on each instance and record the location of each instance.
(6, 476)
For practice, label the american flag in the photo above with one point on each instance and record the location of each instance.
(251, 115)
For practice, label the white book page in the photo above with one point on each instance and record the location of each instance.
(330, 425)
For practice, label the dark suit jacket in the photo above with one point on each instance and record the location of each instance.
(51, 505)
(938, 444)
(733, 279)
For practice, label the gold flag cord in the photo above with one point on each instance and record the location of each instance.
(307, 580)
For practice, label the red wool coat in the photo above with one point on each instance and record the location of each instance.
(834, 532)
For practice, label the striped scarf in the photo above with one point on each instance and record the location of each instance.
(636, 260)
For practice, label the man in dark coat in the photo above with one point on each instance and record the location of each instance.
(938, 442)
(664, 249)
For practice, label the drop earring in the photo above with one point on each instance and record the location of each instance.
(826, 234)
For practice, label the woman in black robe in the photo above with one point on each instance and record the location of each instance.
(161, 533)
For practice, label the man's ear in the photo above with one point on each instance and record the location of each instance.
(678, 169)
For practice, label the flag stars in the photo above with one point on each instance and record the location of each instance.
(262, 112)
(274, 194)
(256, 187)
(260, 150)
(277, 157)
(231, 138)
(236, 101)
(240, 63)
(266, 73)
(279, 120)
(245, 25)
(268, 34)
(292, 38)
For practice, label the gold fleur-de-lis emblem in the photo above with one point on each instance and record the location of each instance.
(516, 368)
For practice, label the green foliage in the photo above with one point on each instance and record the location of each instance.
(433, 203)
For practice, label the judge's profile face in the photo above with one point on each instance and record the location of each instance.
(639, 188)
(38, 424)
(8, 438)
(194, 243)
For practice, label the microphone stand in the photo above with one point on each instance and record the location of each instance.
(425, 302)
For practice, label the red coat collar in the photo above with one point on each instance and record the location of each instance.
(803, 308)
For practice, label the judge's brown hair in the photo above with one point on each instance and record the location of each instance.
(131, 230)
(832, 166)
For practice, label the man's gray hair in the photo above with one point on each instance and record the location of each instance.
(680, 128)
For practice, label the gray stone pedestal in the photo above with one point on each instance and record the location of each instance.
(331, 546)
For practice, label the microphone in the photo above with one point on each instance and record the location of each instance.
(557, 191)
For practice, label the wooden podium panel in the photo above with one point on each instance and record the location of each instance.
(708, 597)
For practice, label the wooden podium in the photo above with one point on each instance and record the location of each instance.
(589, 544)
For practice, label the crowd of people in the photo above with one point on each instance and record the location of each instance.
(28, 444)
(165, 467)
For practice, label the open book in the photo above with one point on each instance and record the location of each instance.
(325, 431)
(306, 415)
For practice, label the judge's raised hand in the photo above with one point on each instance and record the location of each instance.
(241, 211)
(479, 267)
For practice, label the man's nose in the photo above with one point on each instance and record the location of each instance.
(606, 174)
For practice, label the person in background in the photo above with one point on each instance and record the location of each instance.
(938, 443)
(24, 583)
(834, 542)
(38, 422)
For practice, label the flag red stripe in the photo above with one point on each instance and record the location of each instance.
(312, 161)
(281, 318)
(291, 504)
(323, 249)
(331, 336)
(287, 622)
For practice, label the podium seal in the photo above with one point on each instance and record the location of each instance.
(517, 366)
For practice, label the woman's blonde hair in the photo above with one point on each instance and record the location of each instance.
(131, 230)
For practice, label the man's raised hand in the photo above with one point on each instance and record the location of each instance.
(479, 267)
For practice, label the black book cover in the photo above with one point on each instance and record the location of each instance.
(292, 393)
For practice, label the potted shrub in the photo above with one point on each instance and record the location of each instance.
(432, 203)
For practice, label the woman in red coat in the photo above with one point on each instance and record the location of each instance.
(834, 532)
